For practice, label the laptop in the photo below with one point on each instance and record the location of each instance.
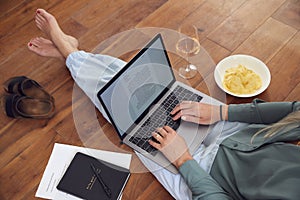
(140, 97)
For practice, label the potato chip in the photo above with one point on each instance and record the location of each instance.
(241, 80)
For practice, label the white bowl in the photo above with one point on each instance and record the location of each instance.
(247, 61)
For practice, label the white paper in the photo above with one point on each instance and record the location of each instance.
(61, 158)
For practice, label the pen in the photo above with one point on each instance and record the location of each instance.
(105, 187)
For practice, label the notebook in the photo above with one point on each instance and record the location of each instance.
(89, 178)
(140, 97)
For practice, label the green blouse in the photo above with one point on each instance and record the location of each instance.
(267, 168)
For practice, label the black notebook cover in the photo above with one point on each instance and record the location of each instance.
(81, 181)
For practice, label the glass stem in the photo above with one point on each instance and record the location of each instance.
(187, 69)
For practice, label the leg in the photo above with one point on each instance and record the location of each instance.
(92, 71)
(89, 71)
(44, 47)
(47, 23)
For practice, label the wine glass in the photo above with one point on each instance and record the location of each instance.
(188, 45)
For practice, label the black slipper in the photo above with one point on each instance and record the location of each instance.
(17, 106)
(26, 87)
(11, 85)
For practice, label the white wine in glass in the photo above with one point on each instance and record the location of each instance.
(188, 45)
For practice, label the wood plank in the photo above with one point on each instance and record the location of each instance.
(169, 17)
(96, 12)
(140, 182)
(294, 94)
(82, 121)
(263, 43)
(148, 193)
(7, 6)
(285, 71)
(130, 15)
(24, 176)
(237, 27)
(289, 13)
(216, 52)
(16, 41)
(22, 14)
(26, 131)
(210, 14)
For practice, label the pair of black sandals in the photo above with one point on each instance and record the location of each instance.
(26, 98)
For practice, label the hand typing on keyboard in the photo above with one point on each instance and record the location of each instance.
(197, 112)
(172, 145)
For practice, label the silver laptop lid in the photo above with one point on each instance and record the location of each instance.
(129, 95)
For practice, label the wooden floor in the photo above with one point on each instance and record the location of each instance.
(266, 29)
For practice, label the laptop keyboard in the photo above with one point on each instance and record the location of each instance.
(161, 117)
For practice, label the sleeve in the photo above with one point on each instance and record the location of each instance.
(261, 112)
(202, 185)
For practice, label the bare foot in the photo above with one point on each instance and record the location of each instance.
(47, 23)
(44, 47)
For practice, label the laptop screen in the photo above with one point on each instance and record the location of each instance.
(128, 96)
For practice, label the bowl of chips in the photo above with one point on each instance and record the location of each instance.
(242, 75)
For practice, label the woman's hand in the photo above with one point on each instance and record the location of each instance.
(172, 145)
(199, 113)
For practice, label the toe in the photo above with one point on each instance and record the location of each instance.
(32, 47)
